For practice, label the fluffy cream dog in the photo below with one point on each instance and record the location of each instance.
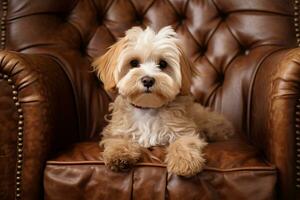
(150, 77)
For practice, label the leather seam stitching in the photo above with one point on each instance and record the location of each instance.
(101, 163)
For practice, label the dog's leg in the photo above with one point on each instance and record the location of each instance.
(119, 153)
(214, 125)
(184, 156)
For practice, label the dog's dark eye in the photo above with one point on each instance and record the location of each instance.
(162, 64)
(134, 63)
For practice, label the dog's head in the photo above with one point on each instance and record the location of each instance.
(149, 69)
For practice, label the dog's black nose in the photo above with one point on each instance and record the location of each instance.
(148, 81)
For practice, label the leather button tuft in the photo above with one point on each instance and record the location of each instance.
(181, 19)
(221, 78)
(223, 15)
(100, 20)
(202, 50)
(244, 50)
(139, 19)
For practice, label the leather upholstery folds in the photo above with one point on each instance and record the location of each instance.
(49, 124)
(225, 39)
(246, 64)
(274, 112)
(235, 172)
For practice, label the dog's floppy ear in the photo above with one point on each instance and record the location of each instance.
(186, 73)
(106, 64)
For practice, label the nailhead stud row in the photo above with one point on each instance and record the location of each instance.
(20, 111)
(297, 30)
(19, 135)
(3, 24)
(298, 144)
(296, 21)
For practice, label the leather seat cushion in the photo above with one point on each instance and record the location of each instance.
(234, 170)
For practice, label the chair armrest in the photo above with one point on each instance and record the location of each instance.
(37, 117)
(275, 117)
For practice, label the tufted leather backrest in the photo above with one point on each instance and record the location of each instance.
(227, 40)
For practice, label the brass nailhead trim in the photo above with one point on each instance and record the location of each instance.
(18, 190)
(297, 121)
(3, 24)
(297, 139)
(296, 21)
(20, 123)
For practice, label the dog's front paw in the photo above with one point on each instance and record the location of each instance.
(185, 167)
(120, 155)
(184, 156)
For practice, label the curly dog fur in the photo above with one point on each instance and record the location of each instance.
(150, 77)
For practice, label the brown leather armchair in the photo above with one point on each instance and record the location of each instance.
(52, 105)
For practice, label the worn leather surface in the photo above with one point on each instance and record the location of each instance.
(235, 46)
(274, 102)
(49, 121)
(8, 150)
(234, 170)
(226, 40)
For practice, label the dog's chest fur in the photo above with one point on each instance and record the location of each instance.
(151, 127)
